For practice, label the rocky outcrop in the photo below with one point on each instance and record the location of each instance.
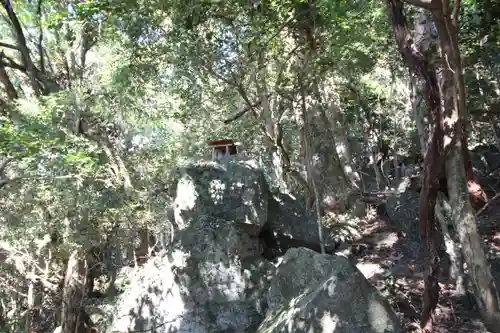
(312, 292)
(214, 281)
(235, 190)
(213, 278)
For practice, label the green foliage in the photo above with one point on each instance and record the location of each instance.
(161, 77)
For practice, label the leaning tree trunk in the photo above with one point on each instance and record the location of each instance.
(270, 118)
(453, 94)
(463, 213)
(433, 163)
(426, 40)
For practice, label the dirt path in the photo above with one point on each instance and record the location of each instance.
(387, 258)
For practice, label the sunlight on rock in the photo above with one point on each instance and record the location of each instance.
(248, 195)
(213, 281)
(377, 314)
(324, 294)
(141, 298)
(234, 191)
(228, 282)
(186, 197)
(330, 286)
(216, 190)
(328, 322)
(405, 183)
(369, 269)
(348, 169)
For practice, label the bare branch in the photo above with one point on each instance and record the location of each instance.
(21, 44)
(9, 88)
(9, 46)
(237, 115)
(245, 110)
(6, 180)
(12, 64)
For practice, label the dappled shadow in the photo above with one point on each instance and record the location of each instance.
(396, 271)
(235, 191)
(327, 295)
(489, 228)
(206, 294)
(288, 227)
(213, 279)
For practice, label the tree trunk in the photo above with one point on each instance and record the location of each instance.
(426, 39)
(433, 163)
(463, 214)
(9, 88)
(309, 165)
(73, 317)
(342, 146)
(270, 118)
(418, 113)
(333, 186)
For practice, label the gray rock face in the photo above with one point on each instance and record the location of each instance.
(214, 281)
(403, 207)
(291, 227)
(286, 217)
(233, 189)
(321, 293)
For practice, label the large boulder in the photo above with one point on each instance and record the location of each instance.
(233, 189)
(213, 277)
(289, 226)
(213, 281)
(319, 293)
(403, 206)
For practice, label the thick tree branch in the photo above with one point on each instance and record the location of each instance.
(247, 108)
(40, 36)
(88, 40)
(10, 90)
(239, 114)
(22, 45)
(427, 4)
(117, 164)
(9, 62)
(9, 46)
(42, 79)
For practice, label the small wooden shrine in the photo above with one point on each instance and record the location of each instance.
(222, 148)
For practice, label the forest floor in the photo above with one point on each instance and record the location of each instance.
(387, 259)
